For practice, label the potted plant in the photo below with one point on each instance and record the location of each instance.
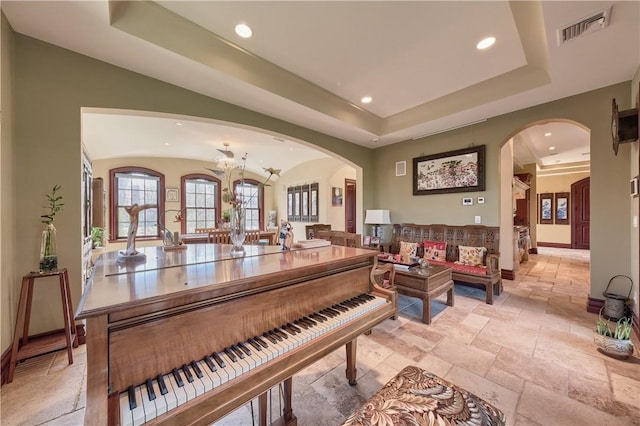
(97, 235)
(48, 250)
(616, 342)
(226, 215)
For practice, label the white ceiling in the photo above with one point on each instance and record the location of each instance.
(309, 62)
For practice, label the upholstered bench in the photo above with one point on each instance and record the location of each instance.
(416, 397)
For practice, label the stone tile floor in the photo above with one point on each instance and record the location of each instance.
(531, 354)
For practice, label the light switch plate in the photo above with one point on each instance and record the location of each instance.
(478, 219)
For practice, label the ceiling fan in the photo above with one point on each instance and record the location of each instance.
(226, 151)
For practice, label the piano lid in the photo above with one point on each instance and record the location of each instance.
(202, 268)
(156, 258)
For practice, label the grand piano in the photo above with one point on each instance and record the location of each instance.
(185, 337)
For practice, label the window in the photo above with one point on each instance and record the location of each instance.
(200, 202)
(251, 192)
(135, 185)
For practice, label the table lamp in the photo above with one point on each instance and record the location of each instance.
(377, 218)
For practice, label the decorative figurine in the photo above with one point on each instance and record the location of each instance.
(286, 235)
(131, 252)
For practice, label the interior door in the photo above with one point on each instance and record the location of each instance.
(581, 214)
(350, 205)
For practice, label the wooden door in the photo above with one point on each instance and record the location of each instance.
(350, 205)
(581, 214)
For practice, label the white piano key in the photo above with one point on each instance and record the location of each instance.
(206, 378)
(138, 412)
(233, 368)
(179, 392)
(148, 405)
(170, 396)
(126, 415)
(160, 401)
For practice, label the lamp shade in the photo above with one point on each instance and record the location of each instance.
(377, 217)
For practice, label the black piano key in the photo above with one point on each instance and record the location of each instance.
(162, 385)
(318, 317)
(310, 321)
(178, 377)
(187, 373)
(209, 362)
(301, 323)
(336, 313)
(255, 344)
(231, 355)
(295, 328)
(261, 341)
(328, 313)
(132, 398)
(288, 329)
(237, 351)
(270, 338)
(219, 360)
(275, 335)
(340, 308)
(244, 348)
(279, 332)
(196, 369)
(150, 391)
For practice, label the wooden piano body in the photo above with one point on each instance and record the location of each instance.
(144, 319)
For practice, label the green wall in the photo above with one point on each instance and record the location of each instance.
(8, 287)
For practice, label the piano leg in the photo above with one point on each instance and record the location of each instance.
(351, 362)
(262, 409)
(289, 418)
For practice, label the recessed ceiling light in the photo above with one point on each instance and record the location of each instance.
(551, 148)
(547, 134)
(244, 31)
(166, 144)
(178, 124)
(486, 43)
(366, 99)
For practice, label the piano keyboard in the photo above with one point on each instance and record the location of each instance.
(161, 394)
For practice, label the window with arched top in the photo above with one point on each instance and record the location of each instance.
(135, 185)
(252, 194)
(200, 202)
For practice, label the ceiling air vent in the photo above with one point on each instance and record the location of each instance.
(591, 23)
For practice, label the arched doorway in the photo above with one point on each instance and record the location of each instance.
(555, 154)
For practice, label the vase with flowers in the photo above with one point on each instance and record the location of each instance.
(48, 248)
(237, 200)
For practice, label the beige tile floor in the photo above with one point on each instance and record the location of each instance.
(531, 354)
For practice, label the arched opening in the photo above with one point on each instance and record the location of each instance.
(183, 145)
(538, 166)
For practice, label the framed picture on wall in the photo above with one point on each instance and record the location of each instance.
(562, 208)
(545, 209)
(462, 170)
(313, 202)
(336, 196)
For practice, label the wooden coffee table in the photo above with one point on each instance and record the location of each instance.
(426, 284)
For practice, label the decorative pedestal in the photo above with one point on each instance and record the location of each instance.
(49, 343)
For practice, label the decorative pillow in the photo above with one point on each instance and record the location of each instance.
(435, 250)
(408, 249)
(473, 256)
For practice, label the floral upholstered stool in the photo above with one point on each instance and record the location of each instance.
(416, 397)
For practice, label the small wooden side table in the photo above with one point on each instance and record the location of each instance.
(48, 343)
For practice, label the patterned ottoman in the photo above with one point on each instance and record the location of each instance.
(416, 397)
